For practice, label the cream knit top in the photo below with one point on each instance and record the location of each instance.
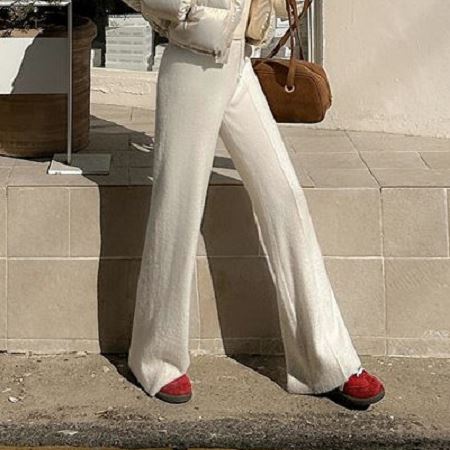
(239, 32)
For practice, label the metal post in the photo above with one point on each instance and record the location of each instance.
(70, 87)
(79, 164)
(311, 34)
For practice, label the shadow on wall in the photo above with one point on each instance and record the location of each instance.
(238, 282)
(242, 287)
(43, 65)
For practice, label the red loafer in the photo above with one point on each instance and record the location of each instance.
(178, 390)
(361, 389)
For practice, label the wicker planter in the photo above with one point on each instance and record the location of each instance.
(33, 114)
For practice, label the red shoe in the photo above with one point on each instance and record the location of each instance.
(178, 390)
(361, 389)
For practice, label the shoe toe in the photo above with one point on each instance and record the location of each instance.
(178, 386)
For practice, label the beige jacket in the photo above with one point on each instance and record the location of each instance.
(207, 26)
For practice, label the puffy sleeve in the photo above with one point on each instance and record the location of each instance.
(173, 10)
(280, 8)
(134, 4)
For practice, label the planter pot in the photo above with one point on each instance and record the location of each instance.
(33, 92)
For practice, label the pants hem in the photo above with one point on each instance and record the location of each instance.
(295, 386)
(153, 382)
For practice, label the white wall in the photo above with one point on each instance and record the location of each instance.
(389, 65)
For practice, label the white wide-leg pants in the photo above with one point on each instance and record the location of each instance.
(198, 99)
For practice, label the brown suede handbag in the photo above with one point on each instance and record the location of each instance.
(297, 90)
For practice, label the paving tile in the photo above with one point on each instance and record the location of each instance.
(142, 114)
(120, 158)
(229, 346)
(303, 176)
(417, 293)
(98, 288)
(437, 160)
(55, 298)
(144, 140)
(242, 346)
(415, 222)
(115, 304)
(305, 130)
(33, 162)
(347, 221)
(140, 176)
(222, 160)
(319, 142)
(108, 143)
(3, 221)
(96, 124)
(194, 346)
(424, 348)
(412, 177)
(117, 176)
(372, 346)
(140, 156)
(111, 113)
(53, 346)
(375, 141)
(225, 176)
(222, 153)
(345, 178)
(237, 298)
(131, 127)
(323, 160)
(85, 222)
(358, 284)
(118, 129)
(228, 226)
(212, 346)
(3, 305)
(5, 173)
(109, 221)
(7, 161)
(448, 211)
(37, 176)
(38, 222)
(271, 346)
(393, 160)
(221, 145)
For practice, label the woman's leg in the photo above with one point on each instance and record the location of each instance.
(318, 349)
(192, 93)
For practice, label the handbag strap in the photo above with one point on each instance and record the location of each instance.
(284, 38)
(293, 26)
(294, 21)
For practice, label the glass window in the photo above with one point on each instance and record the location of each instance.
(126, 40)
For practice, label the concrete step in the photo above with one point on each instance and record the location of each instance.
(94, 401)
(69, 261)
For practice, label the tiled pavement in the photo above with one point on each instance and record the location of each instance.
(322, 158)
(379, 203)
